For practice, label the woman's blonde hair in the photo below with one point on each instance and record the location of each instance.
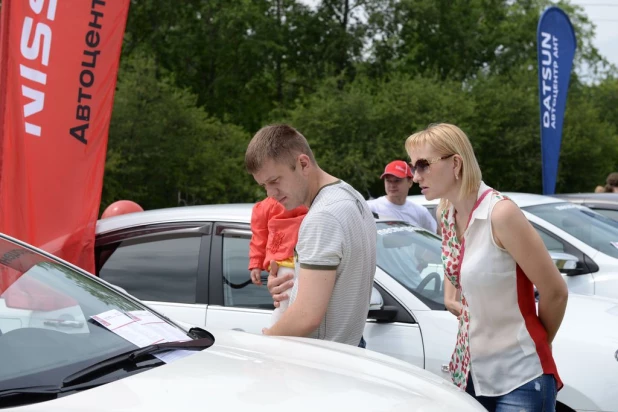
(448, 139)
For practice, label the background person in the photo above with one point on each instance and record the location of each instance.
(397, 182)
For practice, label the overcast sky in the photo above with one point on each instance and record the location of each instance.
(604, 14)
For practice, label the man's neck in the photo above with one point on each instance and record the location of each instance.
(396, 200)
(317, 182)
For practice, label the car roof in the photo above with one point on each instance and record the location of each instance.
(521, 199)
(236, 213)
(592, 197)
(232, 213)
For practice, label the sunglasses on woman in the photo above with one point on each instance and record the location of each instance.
(422, 165)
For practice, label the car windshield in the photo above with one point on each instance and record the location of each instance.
(592, 228)
(412, 257)
(46, 330)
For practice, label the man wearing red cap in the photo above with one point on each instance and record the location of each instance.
(397, 181)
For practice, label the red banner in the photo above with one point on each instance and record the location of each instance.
(58, 69)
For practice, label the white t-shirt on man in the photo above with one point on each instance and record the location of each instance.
(409, 212)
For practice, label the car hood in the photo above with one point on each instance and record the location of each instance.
(243, 371)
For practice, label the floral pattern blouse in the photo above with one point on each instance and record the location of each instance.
(452, 258)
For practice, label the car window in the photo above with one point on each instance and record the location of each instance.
(412, 256)
(161, 269)
(592, 228)
(610, 213)
(46, 326)
(238, 291)
(432, 212)
(552, 244)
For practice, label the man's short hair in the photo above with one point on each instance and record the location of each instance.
(278, 142)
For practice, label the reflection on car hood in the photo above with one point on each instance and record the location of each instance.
(242, 371)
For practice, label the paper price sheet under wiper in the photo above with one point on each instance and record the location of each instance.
(142, 329)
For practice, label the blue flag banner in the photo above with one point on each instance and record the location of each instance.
(556, 46)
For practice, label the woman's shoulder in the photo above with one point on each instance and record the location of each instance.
(503, 209)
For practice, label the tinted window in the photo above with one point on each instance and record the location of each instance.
(412, 256)
(238, 290)
(162, 269)
(551, 244)
(594, 229)
(610, 213)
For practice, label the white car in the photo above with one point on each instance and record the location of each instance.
(583, 243)
(55, 356)
(191, 264)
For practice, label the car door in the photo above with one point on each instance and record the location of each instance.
(236, 303)
(581, 282)
(165, 266)
(392, 329)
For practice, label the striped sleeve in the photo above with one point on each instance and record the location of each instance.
(320, 242)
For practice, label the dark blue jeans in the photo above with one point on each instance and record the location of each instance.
(538, 395)
(362, 343)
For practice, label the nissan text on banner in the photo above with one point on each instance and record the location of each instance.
(59, 63)
(556, 48)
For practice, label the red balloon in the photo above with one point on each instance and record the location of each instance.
(121, 207)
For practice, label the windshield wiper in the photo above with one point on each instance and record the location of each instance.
(34, 394)
(87, 377)
(133, 357)
(38, 390)
(40, 393)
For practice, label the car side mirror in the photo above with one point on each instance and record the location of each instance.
(567, 264)
(378, 311)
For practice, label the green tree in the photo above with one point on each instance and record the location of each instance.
(457, 39)
(356, 77)
(505, 132)
(356, 131)
(217, 48)
(164, 151)
(245, 58)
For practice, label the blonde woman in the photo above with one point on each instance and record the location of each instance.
(493, 258)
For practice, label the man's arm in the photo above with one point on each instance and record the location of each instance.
(309, 308)
(320, 249)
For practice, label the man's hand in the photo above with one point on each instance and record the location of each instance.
(256, 276)
(278, 285)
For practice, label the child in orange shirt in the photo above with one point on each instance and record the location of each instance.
(274, 236)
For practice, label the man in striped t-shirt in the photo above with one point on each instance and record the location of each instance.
(336, 249)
